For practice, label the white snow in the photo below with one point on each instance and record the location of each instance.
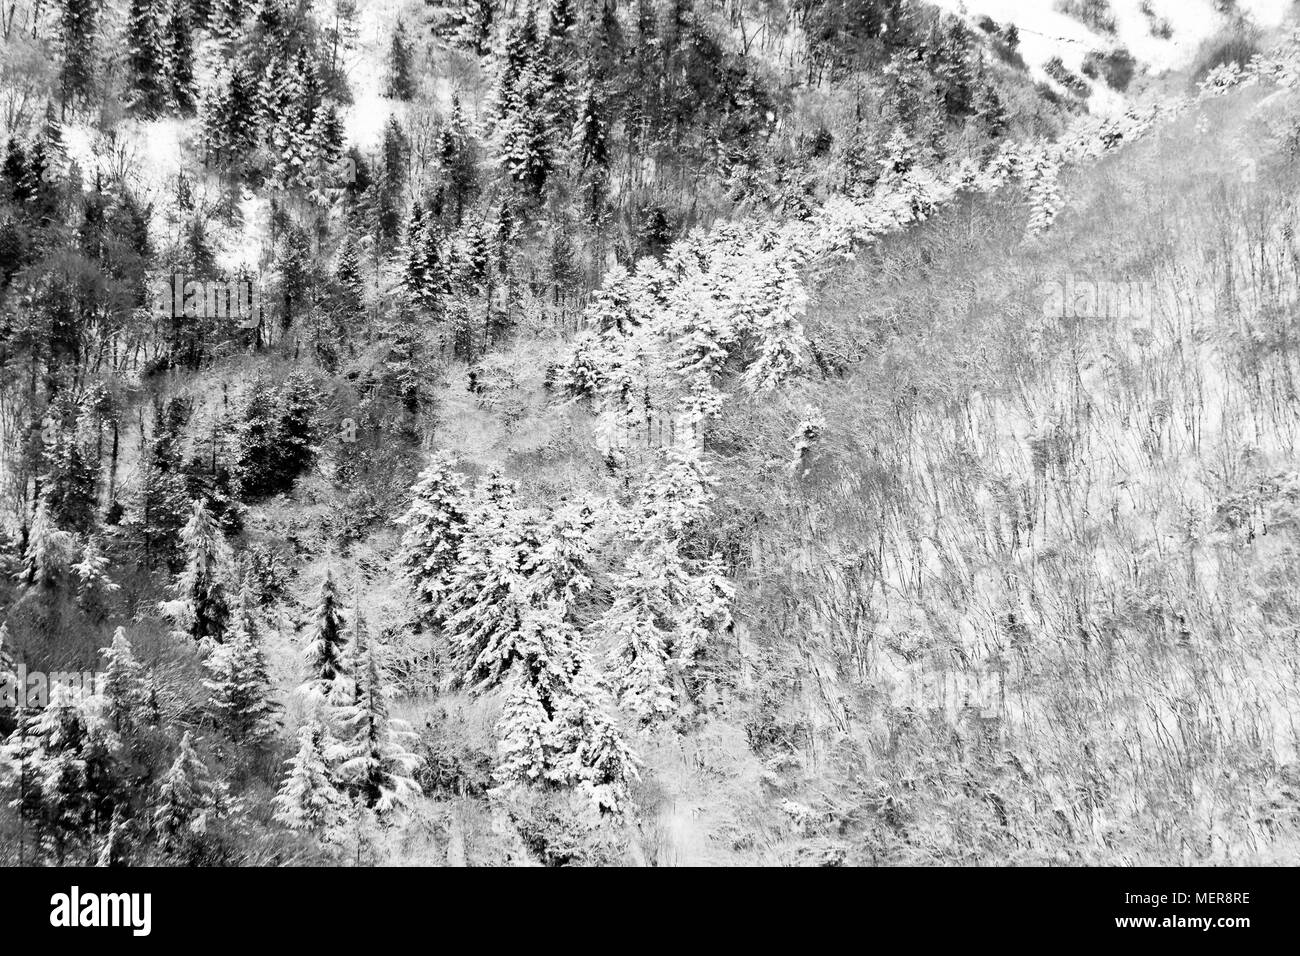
(1045, 32)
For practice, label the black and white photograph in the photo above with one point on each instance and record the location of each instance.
(854, 435)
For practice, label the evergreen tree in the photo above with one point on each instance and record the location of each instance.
(277, 435)
(240, 686)
(591, 130)
(11, 693)
(435, 524)
(115, 849)
(326, 649)
(67, 779)
(71, 476)
(189, 801)
(308, 799)
(94, 584)
(179, 58)
(414, 275)
(401, 84)
(15, 171)
(48, 554)
(164, 503)
(226, 19)
(201, 608)
(228, 118)
(146, 57)
(456, 156)
(373, 756)
(482, 612)
(666, 605)
(77, 30)
(298, 427)
(347, 275)
(123, 683)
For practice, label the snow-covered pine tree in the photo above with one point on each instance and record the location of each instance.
(178, 59)
(326, 649)
(555, 729)
(457, 159)
(123, 683)
(60, 767)
(414, 277)
(146, 56)
(308, 799)
(115, 848)
(240, 701)
(48, 553)
(1040, 172)
(435, 524)
(347, 274)
(593, 755)
(163, 504)
(189, 800)
(69, 483)
(486, 593)
(373, 755)
(666, 606)
(201, 608)
(8, 673)
(590, 129)
(226, 19)
(401, 81)
(345, 690)
(77, 31)
(298, 430)
(509, 612)
(93, 582)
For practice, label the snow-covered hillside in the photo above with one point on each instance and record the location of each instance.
(1047, 32)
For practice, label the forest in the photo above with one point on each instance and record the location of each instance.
(632, 432)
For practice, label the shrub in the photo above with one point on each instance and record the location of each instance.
(1236, 44)
(1094, 13)
(1116, 67)
(1067, 78)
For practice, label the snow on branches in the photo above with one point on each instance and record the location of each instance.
(503, 582)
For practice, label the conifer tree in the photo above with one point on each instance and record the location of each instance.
(68, 780)
(666, 606)
(435, 524)
(414, 275)
(202, 608)
(178, 58)
(48, 554)
(226, 19)
(486, 592)
(591, 130)
(326, 649)
(146, 56)
(298, 430)
(190, 799)
(93, 582)
(123, 683)
(164, 503)
(77, 30)
(115, 849)
(308, 799)
(240, 688)
(457, 159)
(11, 694)
(401, 84)
(69, 483)
(373, 754)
